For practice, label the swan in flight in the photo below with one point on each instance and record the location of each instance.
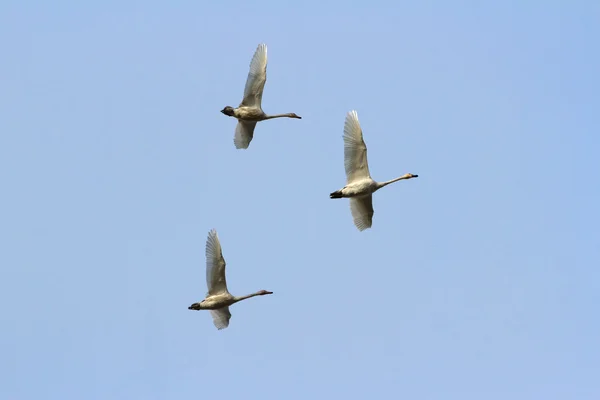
(249, 111)
(218, 299)
(359, 184)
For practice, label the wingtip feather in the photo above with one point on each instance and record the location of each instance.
(352, 114)
(240, 146)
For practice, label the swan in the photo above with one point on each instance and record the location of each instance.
(359, 184)
(249, 111)
(218, 299)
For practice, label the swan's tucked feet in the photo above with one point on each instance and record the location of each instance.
(336, 195)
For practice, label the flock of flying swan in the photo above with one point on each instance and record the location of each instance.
(359, 184)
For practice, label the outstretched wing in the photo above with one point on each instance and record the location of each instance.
(355, 150)
(244, 132)
(257, 77)
(215, 265)
(221, 317)
(362, 211)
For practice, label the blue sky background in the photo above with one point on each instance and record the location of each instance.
(479, 280)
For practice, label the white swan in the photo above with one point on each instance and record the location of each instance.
(249, 111)
(359, 184)
(218, 299)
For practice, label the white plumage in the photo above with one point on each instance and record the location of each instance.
(218, 299)
(359, 184)
(249, 112)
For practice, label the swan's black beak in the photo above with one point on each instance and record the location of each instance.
(415, 175)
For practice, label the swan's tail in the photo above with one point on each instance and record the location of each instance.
(335, 195)
(195, 306)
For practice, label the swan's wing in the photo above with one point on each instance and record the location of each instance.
(362, 211)
(221, 317)
(256, 78)
(244, 132)
(355, 150)
(215, 265)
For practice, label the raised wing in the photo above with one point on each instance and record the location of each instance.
(244, 132)
(256, 78)
(362, 211)
(221, 317)
(355, 150)
(215, 265)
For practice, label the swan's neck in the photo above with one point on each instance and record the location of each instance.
(279, 116)
(382, 184)
(240, 298)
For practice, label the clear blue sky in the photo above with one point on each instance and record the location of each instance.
(479, 280)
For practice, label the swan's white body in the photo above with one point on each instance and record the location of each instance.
(359, 188)
(250, 110)
(218, 299)
(249, 114)
(359, 184)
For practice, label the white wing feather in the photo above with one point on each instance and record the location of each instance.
(362, 211)
(215, 265)
(221, 317)
(355, 150)
(244, 132)
(256, 78)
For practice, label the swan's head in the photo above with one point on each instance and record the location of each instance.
(409, 176)
(293, 115)
(263, 292)
(228, 111)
